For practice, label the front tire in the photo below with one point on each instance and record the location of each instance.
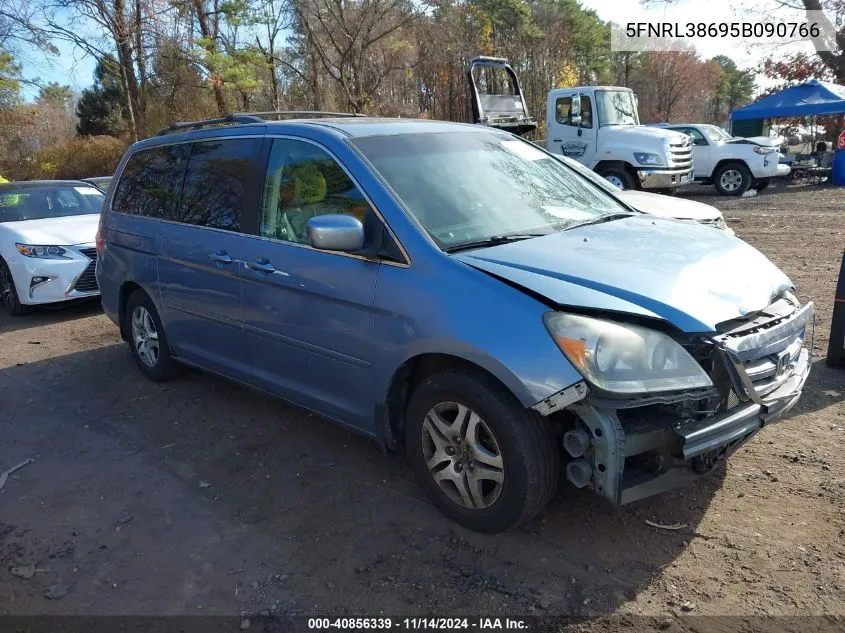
(9, 298)
(618, 177)
(148, 341)
(484, 460)
(732, 179)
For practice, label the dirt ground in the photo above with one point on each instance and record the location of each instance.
(202, 497)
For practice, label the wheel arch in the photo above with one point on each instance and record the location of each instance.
(619, 165)
(728, 161)
(390, 413)
(127, 289)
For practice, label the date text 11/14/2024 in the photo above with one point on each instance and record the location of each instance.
(418, 624)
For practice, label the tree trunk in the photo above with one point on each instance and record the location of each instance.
(216, 80)
(139, 57)
(127, 68)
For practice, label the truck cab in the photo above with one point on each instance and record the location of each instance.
(599, 126)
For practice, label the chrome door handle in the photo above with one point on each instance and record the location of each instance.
(262, 266)
(220, 257)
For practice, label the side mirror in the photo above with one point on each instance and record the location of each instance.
(336, 233)
(575, 109)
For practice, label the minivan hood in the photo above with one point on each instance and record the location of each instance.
(66, 231)
(684, 273)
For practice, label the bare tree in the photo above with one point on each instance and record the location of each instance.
(350, 37)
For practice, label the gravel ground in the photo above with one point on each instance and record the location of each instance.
(202, 497)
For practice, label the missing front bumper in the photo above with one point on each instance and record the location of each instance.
(630, 462)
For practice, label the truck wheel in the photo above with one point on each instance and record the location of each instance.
(483, 459)
(732, 179)
(618, 177)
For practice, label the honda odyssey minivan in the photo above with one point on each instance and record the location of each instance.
(454, 292)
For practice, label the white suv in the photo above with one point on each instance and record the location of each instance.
(732, 165)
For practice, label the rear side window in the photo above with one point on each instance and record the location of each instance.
(216, 183)
(151, 182)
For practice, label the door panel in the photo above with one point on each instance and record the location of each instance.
(309, 328)
(569, 139)
(308, 314)
(201, 256)
(201, 295)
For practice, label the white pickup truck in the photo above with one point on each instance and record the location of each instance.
(732, 165)
(599, 126)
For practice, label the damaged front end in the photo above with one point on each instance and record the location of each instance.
(628, 448)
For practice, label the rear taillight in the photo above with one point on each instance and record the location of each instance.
(100, 238)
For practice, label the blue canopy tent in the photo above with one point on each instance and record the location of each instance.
(813, 98)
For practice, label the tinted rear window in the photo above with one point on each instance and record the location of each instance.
(38, 203)
(151, 182)
(216, 183)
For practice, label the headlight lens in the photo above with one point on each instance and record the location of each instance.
(624, 359)
(644, 158)
(41, 252)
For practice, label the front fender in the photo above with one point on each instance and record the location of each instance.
(450, 308)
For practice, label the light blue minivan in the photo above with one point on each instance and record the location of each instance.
(456, 291)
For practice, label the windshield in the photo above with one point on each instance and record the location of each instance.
(617, 107)
(472, 186)
(37, 203)
(714, 133)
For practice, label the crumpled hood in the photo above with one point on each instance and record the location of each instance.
(681, 272)
(67, 231)
(669, 206)
(765, 141)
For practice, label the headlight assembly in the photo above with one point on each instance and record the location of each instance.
(41, 252)
(624, 359)
(644, 158)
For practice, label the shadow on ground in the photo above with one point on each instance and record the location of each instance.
(48, 315)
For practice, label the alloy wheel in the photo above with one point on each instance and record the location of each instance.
(7, 293)
(731, 180)
(145, 336)
(463, 455)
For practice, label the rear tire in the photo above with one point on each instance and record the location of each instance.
(483, 459)
(732, 179)
(9, 298)
(618, 177)
(147, 340)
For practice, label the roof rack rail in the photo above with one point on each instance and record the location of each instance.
(196, 125)
(298, 114)
(239, 118)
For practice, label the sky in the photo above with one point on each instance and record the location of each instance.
(71, 67)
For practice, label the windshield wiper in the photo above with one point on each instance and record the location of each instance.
(609, 217)
(495, 240)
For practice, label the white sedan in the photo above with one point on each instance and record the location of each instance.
(47, 249)
(656, 204)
